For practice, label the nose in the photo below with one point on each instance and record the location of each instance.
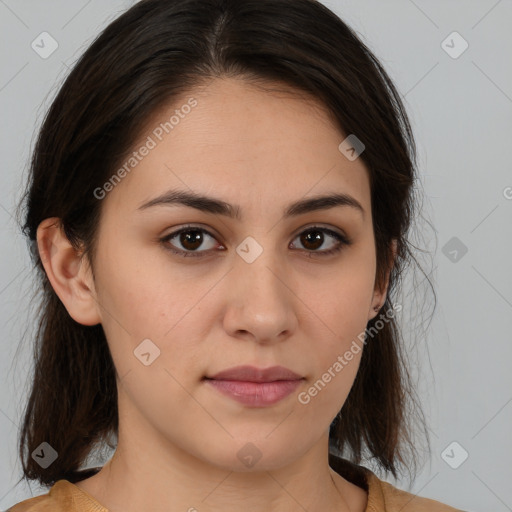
(261, 304)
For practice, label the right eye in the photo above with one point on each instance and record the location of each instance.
(190, 238)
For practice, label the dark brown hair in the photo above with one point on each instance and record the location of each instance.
(153, 53)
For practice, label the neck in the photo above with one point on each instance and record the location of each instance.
(138, 477)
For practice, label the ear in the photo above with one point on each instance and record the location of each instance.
(68, 272)
(379, 294)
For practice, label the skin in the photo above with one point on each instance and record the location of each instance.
(178, 437)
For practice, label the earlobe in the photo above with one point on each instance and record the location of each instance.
(68, 273)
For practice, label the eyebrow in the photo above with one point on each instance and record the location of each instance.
(216, 206)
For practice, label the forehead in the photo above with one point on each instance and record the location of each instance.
(253, 147)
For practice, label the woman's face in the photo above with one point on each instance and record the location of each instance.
(255, 288)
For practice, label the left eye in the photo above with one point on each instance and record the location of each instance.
(315, 237)
(191, 238)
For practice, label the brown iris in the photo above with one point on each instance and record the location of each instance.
(312, 237)
(191, 239)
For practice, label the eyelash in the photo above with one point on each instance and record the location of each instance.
(343, 241)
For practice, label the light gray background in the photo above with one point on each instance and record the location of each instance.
(461, 110)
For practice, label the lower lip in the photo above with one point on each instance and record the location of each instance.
(256, 394)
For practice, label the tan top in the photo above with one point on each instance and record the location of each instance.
(65, 496)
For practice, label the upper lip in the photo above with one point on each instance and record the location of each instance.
(253, 374)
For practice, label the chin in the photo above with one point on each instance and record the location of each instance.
(254, 453)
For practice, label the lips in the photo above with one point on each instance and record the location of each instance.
(255, 387)
(253, 374)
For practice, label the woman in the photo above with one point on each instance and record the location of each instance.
(220, 196)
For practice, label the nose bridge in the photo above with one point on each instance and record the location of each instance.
(260, 297)
(258, 266)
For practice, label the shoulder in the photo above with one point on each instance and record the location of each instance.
(57, 499)
(62, 497)
(39, 503)
(383, 496)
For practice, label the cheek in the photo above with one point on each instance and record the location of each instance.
(335, 360)
(342, 301)
(338, 320)
(154, 301)
(144, 291)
